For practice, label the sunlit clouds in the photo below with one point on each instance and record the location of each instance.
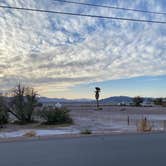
(54, 52)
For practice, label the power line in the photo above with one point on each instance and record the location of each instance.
(82, 15)
(111, 7)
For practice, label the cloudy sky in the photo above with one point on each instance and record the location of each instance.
(67, 56)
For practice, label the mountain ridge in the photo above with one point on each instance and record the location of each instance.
(112, 99)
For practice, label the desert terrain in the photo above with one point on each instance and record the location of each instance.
(110, 119)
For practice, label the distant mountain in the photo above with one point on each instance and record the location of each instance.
(61, 100)
(117, 99)
(114, 99)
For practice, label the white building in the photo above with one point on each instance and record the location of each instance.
(54, 105)
(147, 103)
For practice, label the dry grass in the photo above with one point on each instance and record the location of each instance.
(144, 126)
(30, 134)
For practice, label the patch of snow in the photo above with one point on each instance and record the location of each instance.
(21, 133)
(55, 132)
(11, 134)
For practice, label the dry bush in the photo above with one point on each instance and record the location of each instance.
(86, 132)
(144, 126)
(30, 134)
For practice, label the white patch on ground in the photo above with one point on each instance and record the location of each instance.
(21, 133)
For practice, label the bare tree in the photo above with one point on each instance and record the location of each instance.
(23, 103)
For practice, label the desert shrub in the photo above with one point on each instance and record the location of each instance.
(3, 117)
(158, 101)
(3, 112)
(30, 134)
(137, 100)
(86, 131)
(144, 125)
(55, 115)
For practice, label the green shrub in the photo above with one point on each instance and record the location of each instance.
(55, 115)
(86, 131)
(3, 112)
(137, 100)
(3, 117)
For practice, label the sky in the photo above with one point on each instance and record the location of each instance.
(67, 56)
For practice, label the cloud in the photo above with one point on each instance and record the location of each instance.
(53, 51)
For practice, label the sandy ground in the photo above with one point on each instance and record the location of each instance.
(116, 118)
(109, 119)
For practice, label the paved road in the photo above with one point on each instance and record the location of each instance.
(116, 150)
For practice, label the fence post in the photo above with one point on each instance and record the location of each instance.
(128, 120)
(164, 125)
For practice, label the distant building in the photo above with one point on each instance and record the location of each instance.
(53, 105)
(58, 105)
(125, 103)
(147, 103)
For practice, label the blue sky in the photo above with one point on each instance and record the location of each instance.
(67, 56)
(144, 86)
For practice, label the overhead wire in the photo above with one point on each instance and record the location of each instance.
(111, 7)
(82, 15)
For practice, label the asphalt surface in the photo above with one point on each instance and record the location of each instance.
(115, 150)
